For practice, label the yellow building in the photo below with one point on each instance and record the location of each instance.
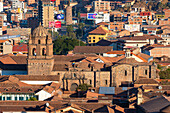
(160, 15)
(98, 34)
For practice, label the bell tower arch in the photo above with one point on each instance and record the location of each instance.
(40, 52)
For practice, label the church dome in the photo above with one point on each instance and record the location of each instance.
(40, 31)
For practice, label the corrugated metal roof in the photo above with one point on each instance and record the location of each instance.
(107, 90)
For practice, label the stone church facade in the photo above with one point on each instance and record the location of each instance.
(41, 61)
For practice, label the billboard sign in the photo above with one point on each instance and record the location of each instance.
(91, 16)
(132, 27)
(59, 16)
(58, 24)
(51, 24)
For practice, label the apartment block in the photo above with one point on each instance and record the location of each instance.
(45, 12)
(101, 6)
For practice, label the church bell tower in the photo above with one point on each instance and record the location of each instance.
(40, 52)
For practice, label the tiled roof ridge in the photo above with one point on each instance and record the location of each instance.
(140, 57)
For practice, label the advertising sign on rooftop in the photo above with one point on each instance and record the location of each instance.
(59, 16)
(58, 24)
(91, 16)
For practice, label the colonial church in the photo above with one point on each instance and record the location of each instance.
(71, 71)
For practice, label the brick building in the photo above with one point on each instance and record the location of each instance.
(117, 26)
(164, 21)
(101, 5)
(135, 20)
(167, 13)
(157, 50)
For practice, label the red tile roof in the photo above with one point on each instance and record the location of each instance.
(144, 37)
(20, 48)
(99, 30)
(92, 49)
(116, 52)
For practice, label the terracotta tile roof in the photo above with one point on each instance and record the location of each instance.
(114, 59)
(92, 49)
(144, 56)
(99, 30)
(2, 41)
(20, 59)
(60, 67)
(102, 23)
(116, 52)
(144, 37)
(20, 48)
(151, 28)
(146, 81)
(155, 105)
(55, 85)
(7, 59)
(37, 77)
(140, 57)
(63, 58)
(149, 47)
(48, 89)
(104, 42)
(128, 60)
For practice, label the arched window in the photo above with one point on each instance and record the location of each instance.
(90, 82)
(146, 72)
(125, 73)
(46, 39)
(106, 82)
(39, 42)
(43, 51)
(34, 52)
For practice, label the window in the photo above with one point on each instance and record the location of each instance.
(34, 52)
(21, 98)
(0, 97)
(43, 51)
(27, 98)
(89, 37)
(93, 37)
(89, 40)
(8, 98)
(106, 82)
(39, 41)
(90, 82)
(125, 73)
(146, 72)
(16, 98)
(74, 75)
(3, 98)
(93, 40)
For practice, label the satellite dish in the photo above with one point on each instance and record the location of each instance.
(159, 87)
(47, 104)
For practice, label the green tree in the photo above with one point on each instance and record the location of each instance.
(165, 74)
(32, 99)
(78, 16)
(80, 31)
(70, 31)
(63, 45)
(83, 87)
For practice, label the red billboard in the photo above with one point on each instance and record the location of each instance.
(51, 24)
(58, 24)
